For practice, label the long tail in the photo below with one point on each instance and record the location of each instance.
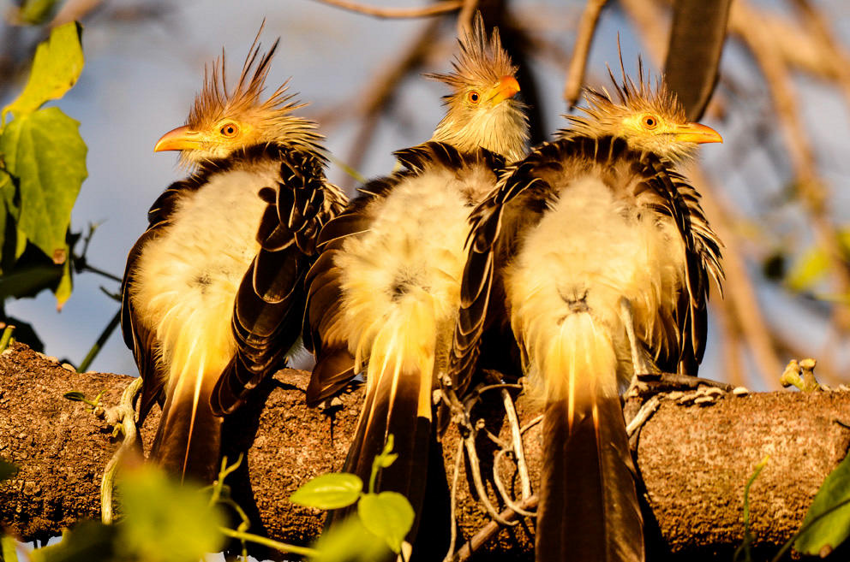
(588, 507)
(398, 402)
(188, 441)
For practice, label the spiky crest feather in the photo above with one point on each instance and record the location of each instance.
(480, 65)
(272, 117)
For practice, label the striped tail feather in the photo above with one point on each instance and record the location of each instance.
(398, 402)
(588, 508)
(188, 440)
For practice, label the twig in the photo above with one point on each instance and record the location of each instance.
(277, 545)
(396, 13)
(500, 486)
(578, 60)
(464, 18)
(518, 449)
(531, 424)
(475, 469)
(453, 501)
(643, 415)
(489, 530)
(123, 418)
(516, 433)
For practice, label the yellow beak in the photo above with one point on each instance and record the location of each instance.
(507, 88)
(695, 132)
(181, 138)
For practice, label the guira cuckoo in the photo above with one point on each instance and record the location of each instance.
(213, 292)
(384, 293)
(594, 253)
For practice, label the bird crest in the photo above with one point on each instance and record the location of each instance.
(223, 120)
(481, 109)
(482, 59)
(649, 117)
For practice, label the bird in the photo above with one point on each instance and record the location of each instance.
(212, 294)
(384, 292)
(594, 254)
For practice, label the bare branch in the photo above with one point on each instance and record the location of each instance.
(397, 13)
(578, 61)
(464, 18)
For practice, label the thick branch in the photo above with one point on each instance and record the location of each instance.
(694, 459)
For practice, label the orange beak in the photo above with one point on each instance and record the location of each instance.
(181, 138)
(507, 88)
(697, 133)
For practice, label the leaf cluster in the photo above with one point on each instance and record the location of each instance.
(381, 520)
(42, 168)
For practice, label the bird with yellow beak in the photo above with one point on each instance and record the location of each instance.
(212, 297)
(594, 255)
(384, 293)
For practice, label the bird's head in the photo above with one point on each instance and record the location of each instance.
(481, 108)
(222, 121)
(649, 119)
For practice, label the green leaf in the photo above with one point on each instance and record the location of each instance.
(75, 396)
(827, 524)
(56, 67)
(29, 278)
(388, 515)
(36, 12)
(349, 541)
(8, 549)
(808, 271)
(7, 470)
(165, 521)
(87, 542)
(45, 152)
(329, 491)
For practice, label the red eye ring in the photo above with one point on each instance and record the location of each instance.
(473, 97)
(650, 121)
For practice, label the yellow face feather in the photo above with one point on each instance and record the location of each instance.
(650, 119)
(481, 109)
(222, 121)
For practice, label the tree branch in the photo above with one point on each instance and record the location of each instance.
(694, 455)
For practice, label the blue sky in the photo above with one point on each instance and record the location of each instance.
(140, 79)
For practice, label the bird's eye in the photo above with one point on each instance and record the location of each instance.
(650, 121)
(229, 130)
(473, 97)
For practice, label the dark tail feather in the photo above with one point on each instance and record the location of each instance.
(409, 421)
(187, 449)
(588, 507)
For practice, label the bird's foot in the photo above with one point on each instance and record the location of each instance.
(645, 385)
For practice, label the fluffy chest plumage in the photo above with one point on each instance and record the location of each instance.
(188, 275)
(591, 248)
(414, 244)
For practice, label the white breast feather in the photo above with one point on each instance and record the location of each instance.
(619, 253)
(188, 277)
(401, 280)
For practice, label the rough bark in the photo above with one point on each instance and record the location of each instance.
(694, 459)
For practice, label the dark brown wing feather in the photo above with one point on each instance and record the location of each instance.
(269, 305)
(334, 363)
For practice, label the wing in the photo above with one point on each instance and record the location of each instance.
(269, 304)
(136, 336)
(324, 314)
(496, 223)
(680, 201)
